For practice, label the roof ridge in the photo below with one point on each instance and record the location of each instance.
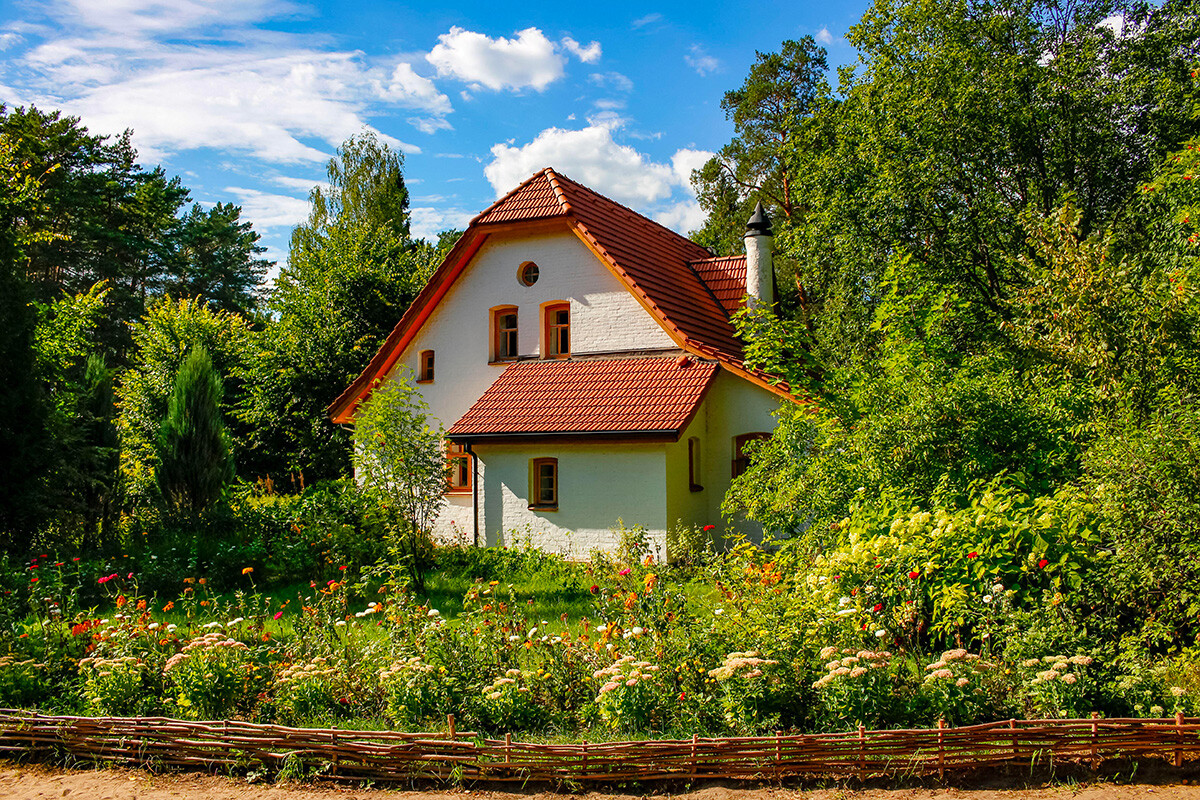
(577, 185)
(552, 176)
(499, 202)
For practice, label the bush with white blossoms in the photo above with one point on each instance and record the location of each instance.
(955, 688)
(744, 684)
(211, 676)
(414, 691)
(118, 687)
(508, 703)
(1056, 686)
(858, 687)
(22, 681)
(313, 691)
(630, 696)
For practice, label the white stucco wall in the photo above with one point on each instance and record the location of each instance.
(598, 483)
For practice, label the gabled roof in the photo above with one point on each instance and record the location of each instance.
(634, 396)
(665, 271)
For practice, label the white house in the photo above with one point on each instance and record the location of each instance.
(582, 360)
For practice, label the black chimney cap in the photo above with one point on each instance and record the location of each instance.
(760, 223)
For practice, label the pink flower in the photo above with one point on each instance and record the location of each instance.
(129, 576)
(625, 571)
(278, 614)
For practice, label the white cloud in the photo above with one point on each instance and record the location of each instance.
(305, 185)
(268, 210)
(594, 158)
(7, 40)
(701, 61)
(683, 217)
(411, 90)
(266, 107)
(529, 60)
(135, 18)
(685, 161)
(1115, 23)
(588, 55)
(427, 223)
(649, 19)
(824, 36)
(613, 80)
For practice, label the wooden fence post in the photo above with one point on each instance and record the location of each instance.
(1095, 736)
(778, 753)
(1179, 736)
(941, 748)
(450, 724)
(585, 766)
(508, 748)
(862, 751)
(1012, 726)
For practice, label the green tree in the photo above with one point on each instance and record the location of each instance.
(194, 463)
(170, 330)
(217, 259)
(351, 272)
(398, 459)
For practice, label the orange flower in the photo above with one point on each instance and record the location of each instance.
(203, 602)
(170, 604)
(121, 601)
(651, 579)
(247, 570)
(202, 581)
(189, 580)
(141, 605)
(629, 601)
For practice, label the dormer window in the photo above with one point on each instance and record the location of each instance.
(558, 330)
(425, 368)
(504, 333)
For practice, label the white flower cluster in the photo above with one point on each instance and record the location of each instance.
(735, 662)
(852, 664)
(509, 678)
(202, 642)
(305, 670)
(1058, 668)
(625, 671)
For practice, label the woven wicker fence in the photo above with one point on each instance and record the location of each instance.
(161, 743)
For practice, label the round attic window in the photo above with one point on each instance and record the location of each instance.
(528, 274)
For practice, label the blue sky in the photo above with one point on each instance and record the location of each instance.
(246, 100)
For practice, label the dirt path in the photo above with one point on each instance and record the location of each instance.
(34, 782)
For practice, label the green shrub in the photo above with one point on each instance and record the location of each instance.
(211, 677)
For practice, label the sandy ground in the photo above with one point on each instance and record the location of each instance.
(29, 782)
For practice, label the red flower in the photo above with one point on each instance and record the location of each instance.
(1042, 564)
(342, 568)
(683, 695)
(33, 580)
(854, 592)
(878, 607)
(595, 589)
(710, 527)
(914, 574)
(33, 566)
(972, 554)
(76, 558)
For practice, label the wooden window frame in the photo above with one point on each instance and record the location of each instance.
(695, 467)
(524, 269)
(740, 461)
(536, 503)
(425, 367)
(458, 453)
(498, 334)
(551, 328)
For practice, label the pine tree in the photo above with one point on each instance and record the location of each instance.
(194, 460)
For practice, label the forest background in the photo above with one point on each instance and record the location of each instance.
(987, 249)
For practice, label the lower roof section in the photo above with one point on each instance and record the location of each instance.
(590, 398)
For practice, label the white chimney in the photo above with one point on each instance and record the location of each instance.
(760, 276)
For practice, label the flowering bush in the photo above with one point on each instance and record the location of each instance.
(1057, 686)
(413, 691)
(22, 682)
(118, 686)
(858, 688)
(211, 676)
(508, 704)
(631, 695)
(744, 685)
(312, 691)
(955, 689)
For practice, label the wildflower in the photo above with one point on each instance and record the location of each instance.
(247, 570)
(342, 568)
(1157, 711)
(914, 575)
(278, 614)
(987, 598)
(878, 607)
(961, 682)
(972, 554)
(595, 589)
(709, 528)
(1176, 691)
(433, 612)
(1068, 678)
(170, 604)
(858, 672)
(202, 581)
(1042, 564)
(879, 634)
(826, 652)
(625, 571)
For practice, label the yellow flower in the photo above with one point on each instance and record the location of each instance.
(247, 570)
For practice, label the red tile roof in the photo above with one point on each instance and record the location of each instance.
(688, 291)
(726, 277)
(589, 396)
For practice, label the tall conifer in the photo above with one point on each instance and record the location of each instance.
(194, 461)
